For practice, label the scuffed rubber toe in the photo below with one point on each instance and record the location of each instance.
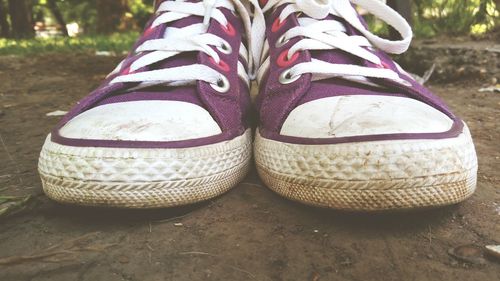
(142, 121)
(358, 115)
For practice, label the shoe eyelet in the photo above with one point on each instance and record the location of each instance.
(287, 78)
(225, 48)
(262, 3)
(222, 85)
(283, 60)
(277, 24)
(229, 29)
(281, 41)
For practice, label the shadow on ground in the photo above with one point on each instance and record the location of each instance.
(249, 233)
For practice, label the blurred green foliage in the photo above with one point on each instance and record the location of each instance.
(85, 12)
(454, 17)
(141, 10)
(117, 43)
(430, 17)
(449, 17)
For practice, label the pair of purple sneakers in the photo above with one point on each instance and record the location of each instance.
(340, 124)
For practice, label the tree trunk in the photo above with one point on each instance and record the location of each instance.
(20, 17)
(4, 24)
(52, 5)
(109, 15)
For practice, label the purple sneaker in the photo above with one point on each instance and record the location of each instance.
(168, 125)
(342, 125)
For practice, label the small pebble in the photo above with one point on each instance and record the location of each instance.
(56, 113)
(123, 259)
(178, 224)
(468, 253)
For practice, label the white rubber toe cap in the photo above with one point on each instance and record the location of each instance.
(143, 121)
(359, 115)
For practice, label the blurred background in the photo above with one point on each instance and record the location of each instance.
(113, 25)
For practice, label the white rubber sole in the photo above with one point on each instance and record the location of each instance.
(142, 178)
(369, 176)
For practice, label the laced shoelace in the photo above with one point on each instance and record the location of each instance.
(191, 38)
(319, 32)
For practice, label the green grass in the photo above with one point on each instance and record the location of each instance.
(117, 43)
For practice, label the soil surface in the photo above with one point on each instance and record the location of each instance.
(247, 234)
(454, 59)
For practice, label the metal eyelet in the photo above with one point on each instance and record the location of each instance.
(225, 48)
(287, 78)
(222, 85)
(281, 41)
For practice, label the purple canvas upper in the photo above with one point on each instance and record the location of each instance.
(228, 109)
(276, 100)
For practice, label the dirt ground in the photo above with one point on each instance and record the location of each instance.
(248, 234)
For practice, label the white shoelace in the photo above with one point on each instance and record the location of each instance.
(319, 33)
(190, 38)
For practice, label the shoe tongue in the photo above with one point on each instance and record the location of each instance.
(165, 29)
(171, 29)
(186, 93)
(338, 56)
(174, 28)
